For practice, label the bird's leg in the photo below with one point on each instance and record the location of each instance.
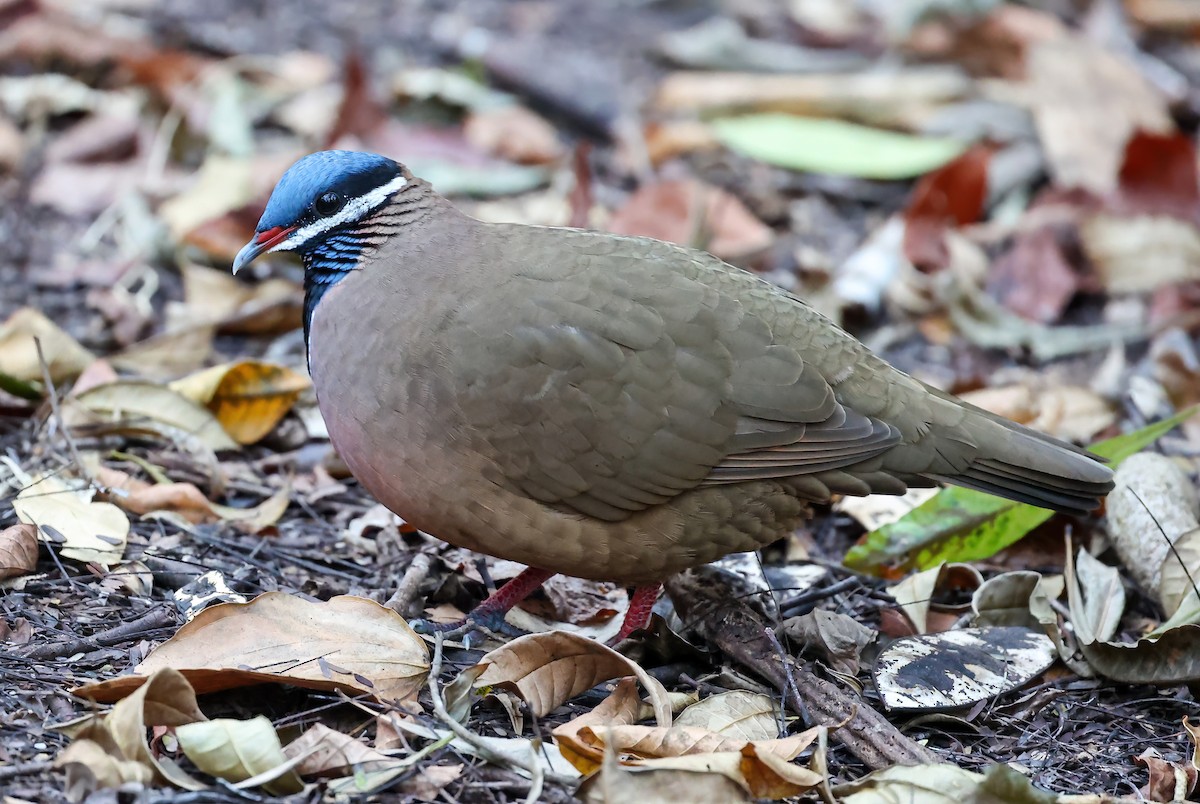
(490, 613)
(638, 615)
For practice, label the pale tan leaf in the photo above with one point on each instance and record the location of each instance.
(167, 354)
(737, 714)
(912, 784)
(1071, 412)
(656, 741)
(142, 407)
(18, 550)
(248, 397)
(133, 576)
(18, 352)
(550, 668)
(1140, 254)
(1076, 85)
(616, 784)
(237, 750)
(224, 184)
(90, 767)
(513, 133)
(325, 752)
(67, 518)
(915, 593)
(346, 643)
(165, 699)
(761, 769)
(1153, 505)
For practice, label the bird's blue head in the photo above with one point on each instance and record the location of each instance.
(315, 210)
(319, 195)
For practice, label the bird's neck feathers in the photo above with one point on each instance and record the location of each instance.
(345, 249)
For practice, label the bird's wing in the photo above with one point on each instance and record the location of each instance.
(631, 374)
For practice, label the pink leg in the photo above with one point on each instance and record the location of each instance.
(490, 613)
(640, 606)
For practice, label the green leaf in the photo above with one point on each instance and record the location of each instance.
(959, 524)
(818, 145)
(19, 388)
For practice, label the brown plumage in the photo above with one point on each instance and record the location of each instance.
(620, 408)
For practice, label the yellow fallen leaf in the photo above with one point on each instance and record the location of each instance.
(248, 397)
(66, 517)
(18, 353)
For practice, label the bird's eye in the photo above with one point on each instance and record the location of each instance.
(328, 204)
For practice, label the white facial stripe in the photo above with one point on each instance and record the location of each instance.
(354, 209)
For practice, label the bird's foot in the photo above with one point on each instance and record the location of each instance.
(492, 622)
(489, 615)
(638, 614)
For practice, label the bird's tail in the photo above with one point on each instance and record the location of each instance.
(1022, 464)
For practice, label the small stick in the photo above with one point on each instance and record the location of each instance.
(52, 394)
(533, 768)
(406, 590)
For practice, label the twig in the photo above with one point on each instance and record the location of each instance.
(24, 769)
(705, 600)
(537, 776)
(52, 395)
(406, 590)
(152, 620)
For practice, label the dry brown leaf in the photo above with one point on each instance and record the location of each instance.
(327, 752)
(165, 699)
(761, 767)
(189, 502)
(131, 406)
(837, 638)
(1076, 86)
(217, 298)
(248, 397)
(737, 714)
(133, 576)
(18, 550)
(548, 669)
(168, 354)
(617, 784)
(623, 707)
(430, 780)
(90, 766)
(66, 517)
(346, 643)
(692, 213)
(18, 353)
(514, 133)
(237, 750)
(647, 742)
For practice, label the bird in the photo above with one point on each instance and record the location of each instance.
(607, 407)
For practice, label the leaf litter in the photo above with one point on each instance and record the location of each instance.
(1027, 193)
